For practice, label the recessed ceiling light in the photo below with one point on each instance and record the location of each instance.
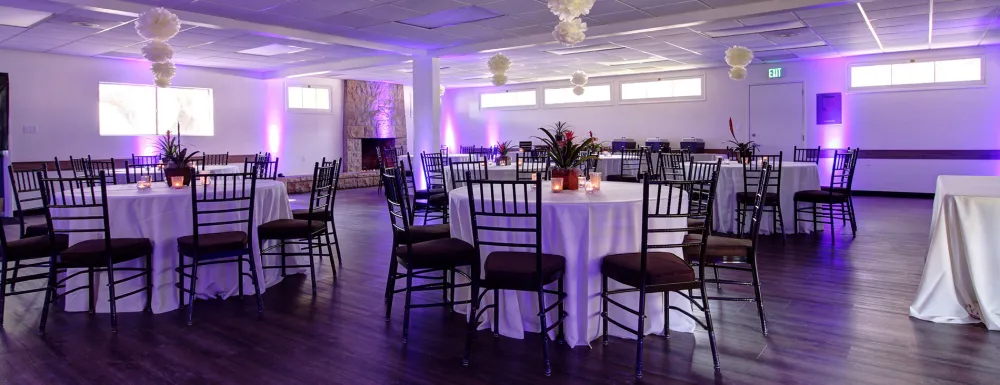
(586, 48)
(86, 24)
(790, 34)
(24, 18)
(785, 25)
(273, 49)
(454, 16)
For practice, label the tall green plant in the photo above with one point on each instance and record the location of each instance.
(172, 154)
(565, 154)
(744, 148)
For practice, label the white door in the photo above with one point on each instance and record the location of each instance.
(777, 120)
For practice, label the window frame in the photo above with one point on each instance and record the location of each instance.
(917, 86)
(673, 99)
(329, 95)
(156, 109)
(479, 99)
(612, 98)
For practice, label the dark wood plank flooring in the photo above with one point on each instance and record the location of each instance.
(837, 312)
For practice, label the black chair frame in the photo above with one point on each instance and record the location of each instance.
(753, 170)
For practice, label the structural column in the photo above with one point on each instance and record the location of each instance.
(426, 110)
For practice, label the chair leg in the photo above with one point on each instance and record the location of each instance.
(111, 295)
(545, 335)
(390, 286)
(51, 287)
(641, 330)
(496, 313)
(470, 332)
(406, 307)
(13, 274)
(560, 336)
(756, 290)
(666, 314)
(604, 308)
(284, 257)
(239, 276)
(149, 283)
(180, 286)
(256, 282)
(3, 288)
(854, 222)
(710, 327)
(90, 290)
(336, 241)
(781, 222)
(451, 302)
(715, 272)
(329, 252)
(312, 263)
(796, 219)
(815, 219)
(843, 210)
(194, 281)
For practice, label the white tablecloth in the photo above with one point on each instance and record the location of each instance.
(584, 228)
(959, 284)
(163, 214)
(795, 176)
(508, 172)
(120, 173)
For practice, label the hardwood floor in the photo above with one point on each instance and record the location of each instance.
(837, 314)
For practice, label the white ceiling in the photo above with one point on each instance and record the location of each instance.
(363, 39)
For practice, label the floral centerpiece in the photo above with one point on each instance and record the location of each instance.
(176, 159)
(595, 147)
(743, 149)
(503, 148)
(566, 155)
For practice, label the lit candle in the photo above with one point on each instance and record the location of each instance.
(595, 180)
(144, 182)
(581, 181)
(764, 160)
(557, 185)
(588, 187)
(177, 181)
(534, 177)
(520, 161)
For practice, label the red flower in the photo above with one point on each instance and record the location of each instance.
(591, 133)
(569, 136)
(733, 133)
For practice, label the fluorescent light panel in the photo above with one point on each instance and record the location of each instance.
(930, 25)
(273, 49)
(870, 28)
(651, 59)
(306, 74)
(790, 46)
(584, 49)
(785, 25)
(24, 18)
(454, 16)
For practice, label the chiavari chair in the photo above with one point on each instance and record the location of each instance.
(26, 189)
(479, 169)
(134, 171)
(834, 202)
(753, 168)
(630, 169)
(435, 205)
(810, 155)
(324, 195)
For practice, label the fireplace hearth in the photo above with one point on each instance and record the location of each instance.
(369, 154)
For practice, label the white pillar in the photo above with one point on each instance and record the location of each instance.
(426, 111)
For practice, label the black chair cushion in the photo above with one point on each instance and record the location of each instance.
(424, 194)
(213, 243)
(36, 230)
(316, 216)
(35, 247)
(623, 178)
(516, 270)
(718, 247)
(440, 200)
(661, 268)
(91, 253)
(426, 233)
(819, 196)
(770, 198)
(289, 229)
(438, 254)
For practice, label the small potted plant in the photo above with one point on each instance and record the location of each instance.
(743, 149)
(566, 155)
(503, 148)
(175, 158)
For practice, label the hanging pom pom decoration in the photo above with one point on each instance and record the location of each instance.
(578, 90)
(570, 32)
(570, 9)
(738, 73)
(159, 25)
(157, 52)
(499, 79)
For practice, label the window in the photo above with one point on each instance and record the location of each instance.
(945, 72)
(663, 90)
(136, 109)
(506, 99)
(593, 95)
(309, 98)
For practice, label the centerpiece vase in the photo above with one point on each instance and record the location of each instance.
(570, 178)
(178, 171)
(502, 160)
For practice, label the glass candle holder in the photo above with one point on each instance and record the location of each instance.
(588, 187)
(595, 181)
(144, 182)
(520, 161)
(581, 180)
(534, 178)
(177, 181)
(557, 184)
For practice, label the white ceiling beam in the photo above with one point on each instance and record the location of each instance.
(680, 20)
(342, 65)
(227, 23)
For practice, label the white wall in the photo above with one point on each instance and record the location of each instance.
(59, 95)
(952, 119)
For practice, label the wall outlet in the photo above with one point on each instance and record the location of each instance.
(30, 129)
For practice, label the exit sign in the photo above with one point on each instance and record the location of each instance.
(774, 73)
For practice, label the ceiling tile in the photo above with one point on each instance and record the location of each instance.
(619, 17)
(429, 6)
(387, 12)
(675, 8)
(514, 7)
(352, 20)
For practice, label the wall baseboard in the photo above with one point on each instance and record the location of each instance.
(892, 194)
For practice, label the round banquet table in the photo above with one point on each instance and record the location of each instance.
(583, 228)
(795, 176)
(508, 172)
(163, 214)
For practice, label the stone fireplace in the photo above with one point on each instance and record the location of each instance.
(374, 116)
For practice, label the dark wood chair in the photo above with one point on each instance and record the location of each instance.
(77, 165)
(322, 198)
(27, 194)
(307, 232)
(134, 171)
(526, 268)
(479, 169)
(108, 168)
(419, 256)
(630, 169)
(72, 206)
(146, 160)
(739, 254)
(434, 201)
(651, 271)
(753, 168)
(810, 155)
(671, 164)
(527, 165)
(215, 240)
(835, 202)
(34, 252)
(590, 165)
(266, 169)
(214, 160)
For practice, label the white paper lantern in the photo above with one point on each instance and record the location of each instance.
(570, 9)
(157, 51)
(157, 24)
(738, 56)
(499, 79)
(579, 78)
(161, 82)
(570, 32)
(738, 73)
(163, 69)
(498, 64)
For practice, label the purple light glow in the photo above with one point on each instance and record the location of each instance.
(383, 106)
(275, 118)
